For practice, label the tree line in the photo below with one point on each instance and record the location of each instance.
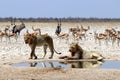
(68, 19)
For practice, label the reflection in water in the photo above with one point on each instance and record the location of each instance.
(33, 64)
(84, 64)
(72, 64)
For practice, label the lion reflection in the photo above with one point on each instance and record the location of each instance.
(71, 64)
(83, 64)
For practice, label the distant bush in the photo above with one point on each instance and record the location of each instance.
(68, 19)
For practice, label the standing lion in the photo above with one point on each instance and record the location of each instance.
(39, 40)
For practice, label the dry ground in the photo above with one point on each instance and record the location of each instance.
(15, 52)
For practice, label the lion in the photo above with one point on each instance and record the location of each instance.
(76, 52)
(39, 40)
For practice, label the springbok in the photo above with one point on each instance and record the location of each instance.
(84, 29)
(78, 36)
(100, 37)
(1, 34)
(9, 34)
(74, 29)
(35, 30)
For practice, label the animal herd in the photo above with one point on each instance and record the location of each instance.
(77, 33)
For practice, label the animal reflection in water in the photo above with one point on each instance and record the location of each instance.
(84, 64)
(67, 64)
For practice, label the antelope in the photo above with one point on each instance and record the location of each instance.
(35, 31)
(17, 28)
(58, 29)
(63, 35)
(78, 35)
(100, 37)
(1, 34)
(118, 40)
(10, 35)
(118, 33)
(84, 29)
(114, 37)
(110, 32)
(75, 29)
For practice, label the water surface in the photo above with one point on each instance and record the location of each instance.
(72, 64)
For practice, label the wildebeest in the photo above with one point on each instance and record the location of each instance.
(17, 28)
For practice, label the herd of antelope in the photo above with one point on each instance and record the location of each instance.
(78, 33)
(109, 35)
(7, 33)
(11, 31)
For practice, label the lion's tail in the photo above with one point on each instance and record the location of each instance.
(56, 52)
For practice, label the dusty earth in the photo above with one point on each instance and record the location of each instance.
(16, 52)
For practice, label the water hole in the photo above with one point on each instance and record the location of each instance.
(72, 64)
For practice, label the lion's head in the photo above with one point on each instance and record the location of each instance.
(74, 47)
(29, 38)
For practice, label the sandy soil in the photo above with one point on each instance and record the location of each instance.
(15, 52)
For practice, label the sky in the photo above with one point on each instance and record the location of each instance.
(60, 8)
